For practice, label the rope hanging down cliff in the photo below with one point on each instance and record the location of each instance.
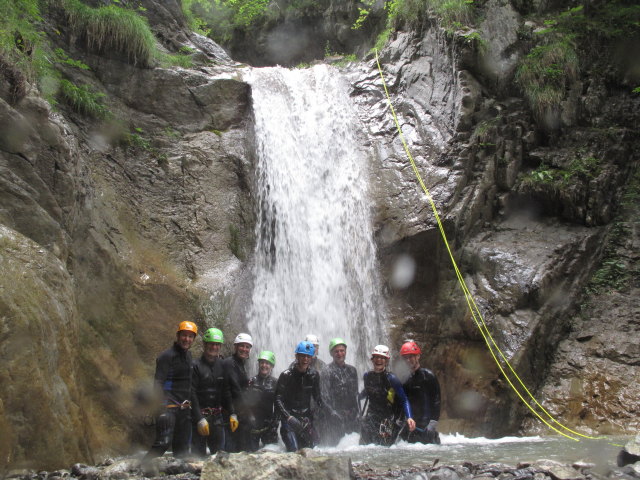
(473, 307)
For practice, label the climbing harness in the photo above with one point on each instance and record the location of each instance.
(473, 307)
(182, 406)
(209, 412)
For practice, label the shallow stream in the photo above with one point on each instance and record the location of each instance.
(457, 449)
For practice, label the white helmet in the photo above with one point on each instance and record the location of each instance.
(312, 338)
(243, 338)
(381, 350)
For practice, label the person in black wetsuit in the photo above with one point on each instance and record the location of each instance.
(385, 403)
(294, 390)
(261, 400)
(173, 379)
(210, 394)
(340, 389)
(238, 436)
(423, 391)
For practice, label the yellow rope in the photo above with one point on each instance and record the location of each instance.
(473, 307)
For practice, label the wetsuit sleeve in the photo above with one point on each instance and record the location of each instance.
(397, 386)
(434, 397)
(353, 389)
(227, 401)
(195, 403)
(228, 385)
(363, 394)
(317, 395)
(162, 370)
(281, 389)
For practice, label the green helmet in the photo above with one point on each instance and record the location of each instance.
(336, 341)
(268, 356)
(213, 335)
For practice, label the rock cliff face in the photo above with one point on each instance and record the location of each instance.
(112, 234)
(526, 250)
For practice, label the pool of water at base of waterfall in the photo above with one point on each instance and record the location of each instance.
(457, 449)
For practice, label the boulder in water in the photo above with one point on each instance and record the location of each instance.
(271, 465)
(557, 470)
(630, 453)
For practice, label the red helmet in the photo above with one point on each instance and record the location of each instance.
(410, 348)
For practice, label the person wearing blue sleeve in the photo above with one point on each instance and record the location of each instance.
(423, 390)
(385, 403)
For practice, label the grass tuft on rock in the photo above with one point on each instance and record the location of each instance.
(545, 74)
(113, 28)
(83, 100)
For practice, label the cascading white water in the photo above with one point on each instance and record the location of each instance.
(316, 269)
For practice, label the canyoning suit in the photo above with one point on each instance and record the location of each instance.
(210, 396)
(423, 391)
(238, 382)
(261, 397)
(294, 392)
(173, 426)
(340, 391)
(386, 406)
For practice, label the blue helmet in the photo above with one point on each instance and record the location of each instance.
(306, 348)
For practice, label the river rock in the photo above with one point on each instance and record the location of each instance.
(119, 469)
(630, 453)
(270, 465)
(557, 470)
(444, 473)
(633, 446)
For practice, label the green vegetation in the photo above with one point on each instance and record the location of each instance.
(22, 54)
(485, 130)
(113, 28)
(453, 15)
(552, 64)
(63, 58)
(83, 100)
(135, 140)
(364, 14)
(174, 60)
(219, 18)
(602, 21)
(235, 242)
(580, 169)
(617, 272)
(545, 74)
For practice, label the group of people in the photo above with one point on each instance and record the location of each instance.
(211, 403)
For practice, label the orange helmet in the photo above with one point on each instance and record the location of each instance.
(410, 348)
(188, 326)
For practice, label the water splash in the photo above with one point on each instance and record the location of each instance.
(315, 269)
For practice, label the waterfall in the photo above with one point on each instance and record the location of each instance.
(315, 260)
